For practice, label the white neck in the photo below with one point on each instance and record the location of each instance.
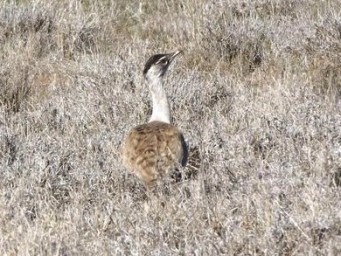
(161, 110)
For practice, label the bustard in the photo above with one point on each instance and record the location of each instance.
(154, 149)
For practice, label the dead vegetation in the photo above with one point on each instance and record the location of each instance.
(257, 93)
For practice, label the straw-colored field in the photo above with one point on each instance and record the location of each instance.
(257, 93)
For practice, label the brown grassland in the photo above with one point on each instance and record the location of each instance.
(257, 93)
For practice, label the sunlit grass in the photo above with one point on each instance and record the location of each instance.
(256, 93)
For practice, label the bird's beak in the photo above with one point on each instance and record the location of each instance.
(174, 54)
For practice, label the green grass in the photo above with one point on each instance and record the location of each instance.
(256, 93)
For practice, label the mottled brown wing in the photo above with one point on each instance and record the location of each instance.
(152, 149)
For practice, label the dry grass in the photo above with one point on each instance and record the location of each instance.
(257, 93)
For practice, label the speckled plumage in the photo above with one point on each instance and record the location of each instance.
(154, 149)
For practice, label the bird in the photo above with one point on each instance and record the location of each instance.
(155, 149)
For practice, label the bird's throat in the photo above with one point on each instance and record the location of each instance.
(161, 109)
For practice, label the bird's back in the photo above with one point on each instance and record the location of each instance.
(151, 150)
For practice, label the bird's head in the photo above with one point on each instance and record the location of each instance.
(158, 64)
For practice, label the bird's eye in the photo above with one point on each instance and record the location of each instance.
(163, 61)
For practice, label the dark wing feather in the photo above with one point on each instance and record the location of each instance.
(185, 151)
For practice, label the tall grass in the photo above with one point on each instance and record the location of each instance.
(256, 93)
